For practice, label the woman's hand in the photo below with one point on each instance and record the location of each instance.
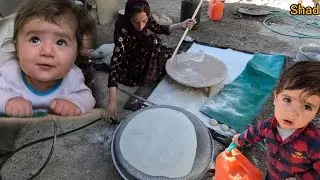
(189, 23)
(110, 113)
(183, 25)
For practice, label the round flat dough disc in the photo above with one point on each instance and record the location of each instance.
(196, 70)
(160, 142)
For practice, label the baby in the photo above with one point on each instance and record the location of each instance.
(292, 139)
(47, 38)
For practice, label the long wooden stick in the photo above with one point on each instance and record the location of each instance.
(186, 30)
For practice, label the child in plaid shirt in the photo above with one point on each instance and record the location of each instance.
(292, 139)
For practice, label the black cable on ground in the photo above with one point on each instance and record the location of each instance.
(42, 140)
(51, 151)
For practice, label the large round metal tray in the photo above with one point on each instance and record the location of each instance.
(204, 152)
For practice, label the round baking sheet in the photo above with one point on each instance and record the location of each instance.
(204, 150)
(196, 70)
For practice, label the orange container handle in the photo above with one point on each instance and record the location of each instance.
(244, 163)
(241, 159)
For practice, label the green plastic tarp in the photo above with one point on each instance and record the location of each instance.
(241, 101)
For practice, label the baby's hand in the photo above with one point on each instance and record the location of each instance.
(64, 108)
(18, 107)
(235, 139)
(291, 178)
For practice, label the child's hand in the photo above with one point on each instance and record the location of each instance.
(291, 178)
(64, 108)
(18, 107)
(235, 139)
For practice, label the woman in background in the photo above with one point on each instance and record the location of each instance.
(139, 57)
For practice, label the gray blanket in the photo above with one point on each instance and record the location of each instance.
(6, 33)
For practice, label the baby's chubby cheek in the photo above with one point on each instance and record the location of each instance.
(63, 70)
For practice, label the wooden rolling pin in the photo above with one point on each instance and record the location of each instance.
(186, 30)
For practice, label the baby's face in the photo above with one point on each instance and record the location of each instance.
(293, 111)
(47, 51)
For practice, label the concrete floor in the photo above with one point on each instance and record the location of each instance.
(86, 154)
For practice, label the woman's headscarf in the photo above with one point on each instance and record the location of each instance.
(125, 22)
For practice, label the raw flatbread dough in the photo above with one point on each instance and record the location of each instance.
(160, 142)
(196, 70)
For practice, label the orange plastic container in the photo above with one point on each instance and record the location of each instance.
(234, 165)
(215, 10)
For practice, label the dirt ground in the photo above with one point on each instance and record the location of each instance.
(86, 154)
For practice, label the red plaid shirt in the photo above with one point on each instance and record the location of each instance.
(297, 156)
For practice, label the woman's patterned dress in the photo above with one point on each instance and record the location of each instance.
(138, 61)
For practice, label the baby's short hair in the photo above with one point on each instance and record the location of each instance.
(304, 75)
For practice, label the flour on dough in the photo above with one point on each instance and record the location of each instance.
(160, 142)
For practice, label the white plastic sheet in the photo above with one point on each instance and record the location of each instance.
(192, 99)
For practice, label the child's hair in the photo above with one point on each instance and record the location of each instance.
(136, 6)
(51, 10)
(304, 75)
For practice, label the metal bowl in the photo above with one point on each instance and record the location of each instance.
(254, 11)
(301, 57)
(312, 51)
